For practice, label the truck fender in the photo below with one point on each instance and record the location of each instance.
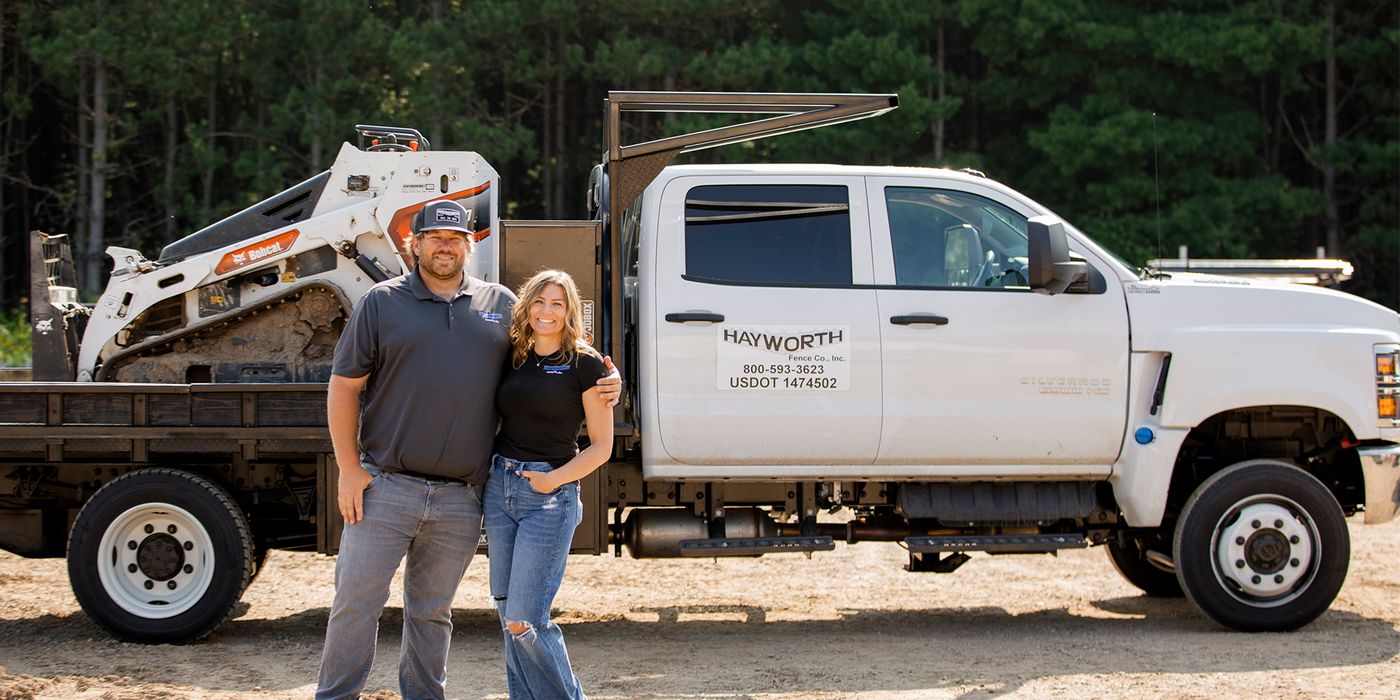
(1214, 370)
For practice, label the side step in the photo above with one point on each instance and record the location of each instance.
(753, 546)
(996, 544)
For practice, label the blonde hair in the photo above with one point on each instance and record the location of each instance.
(522, 336)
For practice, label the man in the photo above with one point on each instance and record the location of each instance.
(425, 351)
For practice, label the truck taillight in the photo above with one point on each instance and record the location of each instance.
(1387, 384)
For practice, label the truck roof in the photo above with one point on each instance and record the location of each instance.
(824, 169)
(830, 169)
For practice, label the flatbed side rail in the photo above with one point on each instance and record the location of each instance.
(62, 421)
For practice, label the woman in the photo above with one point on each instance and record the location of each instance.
(532, 502)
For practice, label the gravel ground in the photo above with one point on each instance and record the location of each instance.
(844, 624)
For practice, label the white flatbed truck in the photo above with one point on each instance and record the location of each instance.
(928, 350)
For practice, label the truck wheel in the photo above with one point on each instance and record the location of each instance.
(1130, 558)
(1262, 546)
(160, 556)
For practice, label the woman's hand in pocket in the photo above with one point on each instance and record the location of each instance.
(541, 482)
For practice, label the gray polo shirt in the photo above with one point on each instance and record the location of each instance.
(433, 367)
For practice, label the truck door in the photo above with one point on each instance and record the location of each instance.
(766, 350)
(980, 373)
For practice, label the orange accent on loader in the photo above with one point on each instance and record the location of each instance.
(400, 225)
(255, 252)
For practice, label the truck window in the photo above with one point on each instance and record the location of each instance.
(945, 238)
(768, 234)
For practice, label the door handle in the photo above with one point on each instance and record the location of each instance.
(695, 317)
(919, 320)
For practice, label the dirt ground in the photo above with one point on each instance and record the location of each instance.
(844, 624)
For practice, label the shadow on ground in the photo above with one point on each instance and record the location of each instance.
(681, 651)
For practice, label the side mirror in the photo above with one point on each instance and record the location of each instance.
(1052, 270)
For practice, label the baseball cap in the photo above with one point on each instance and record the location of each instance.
(444, 214)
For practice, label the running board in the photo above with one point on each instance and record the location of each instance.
(995, 544)
(754, 546)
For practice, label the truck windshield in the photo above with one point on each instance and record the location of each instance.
(1129, 267)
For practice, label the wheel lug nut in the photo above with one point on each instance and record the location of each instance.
(1277, 524)
(1255, 524)
(171, 584)
(189, 546)
(149, 528)
(1239, 540)
(131, 568)
(1277, 579)
(171, 529)
(1293, 539)
(1254, 579)
(131, 544)
(190, 569)
(1293, 562)
(1239, 563)
(150, 585)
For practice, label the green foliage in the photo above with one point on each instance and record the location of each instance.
(1201, 123)
(14, 339)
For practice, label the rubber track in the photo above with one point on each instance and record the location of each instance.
(163, 346)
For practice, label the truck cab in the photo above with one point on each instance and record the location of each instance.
(837, 322)
(869, 320)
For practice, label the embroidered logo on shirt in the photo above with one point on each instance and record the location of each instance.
(554, 369)
(490, 316)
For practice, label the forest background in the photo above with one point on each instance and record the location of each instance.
(1244, 128)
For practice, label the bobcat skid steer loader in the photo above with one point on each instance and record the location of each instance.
(261, 296)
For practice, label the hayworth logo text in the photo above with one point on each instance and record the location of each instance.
(784, 343)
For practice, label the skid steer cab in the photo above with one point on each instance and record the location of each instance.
(948, 363)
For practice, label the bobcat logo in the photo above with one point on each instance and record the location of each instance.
(44, 327)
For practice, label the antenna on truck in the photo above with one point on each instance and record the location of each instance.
(1157, 186)
(629, 168)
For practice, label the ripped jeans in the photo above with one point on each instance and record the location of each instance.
(529, 534)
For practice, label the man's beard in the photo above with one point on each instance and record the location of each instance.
(430, 267)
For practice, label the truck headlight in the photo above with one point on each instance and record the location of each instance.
(1387, 384)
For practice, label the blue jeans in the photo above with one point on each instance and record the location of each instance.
(528, 535)
(436, 525)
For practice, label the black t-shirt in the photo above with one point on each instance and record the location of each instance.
(541, 406)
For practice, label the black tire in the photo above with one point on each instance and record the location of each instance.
(1130, 559)
(160, 556)
(1262, 546)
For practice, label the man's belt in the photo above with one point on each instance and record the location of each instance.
(433, 477)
